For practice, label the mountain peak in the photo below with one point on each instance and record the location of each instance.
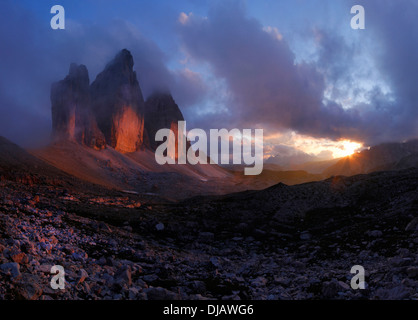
(161, 111)
(118, 104)
(111, 111)
(79, 72)
(123, 61)
(72, 118)
(164, 97)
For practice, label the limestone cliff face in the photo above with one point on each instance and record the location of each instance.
(118, 104)
(111, 111)
(72, 118)
(161, 111)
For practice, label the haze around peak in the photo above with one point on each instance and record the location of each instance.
(306, 80)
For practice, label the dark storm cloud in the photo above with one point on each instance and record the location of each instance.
(33, 56)
(273, 92)
(335, 59)
(269, 89)
(264, 87)
(396, 27)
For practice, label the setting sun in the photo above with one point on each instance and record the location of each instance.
(320, 147)
(346, 148)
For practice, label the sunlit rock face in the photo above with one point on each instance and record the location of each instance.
(118, 104)
(127, 129)
(72, 118)
(162, 112)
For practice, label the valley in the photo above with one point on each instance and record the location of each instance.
(299, 244)
(123, 227)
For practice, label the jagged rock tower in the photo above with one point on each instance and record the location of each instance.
(111, 111)
(72, 117)
(161, 111)
(118, 104)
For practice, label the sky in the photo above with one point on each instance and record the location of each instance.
(294, 68)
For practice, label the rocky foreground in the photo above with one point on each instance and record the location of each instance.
(296, 242)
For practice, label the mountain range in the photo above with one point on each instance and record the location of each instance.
(103, 133)
(110, 111)
(124, 227)
(383, 157)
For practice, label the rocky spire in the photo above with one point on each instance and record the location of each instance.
(72, 118)
(161, 111)
(111, 111)
(118, 104)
